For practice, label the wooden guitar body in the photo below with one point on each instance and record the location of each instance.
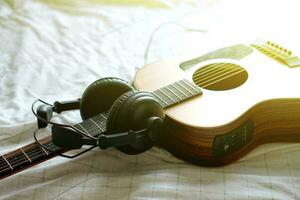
(246, 101)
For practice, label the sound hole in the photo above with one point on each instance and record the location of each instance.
(220, 76)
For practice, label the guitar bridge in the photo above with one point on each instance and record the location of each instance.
(278, 53)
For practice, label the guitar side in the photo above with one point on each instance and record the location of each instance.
(264, 123)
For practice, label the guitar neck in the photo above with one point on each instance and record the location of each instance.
(33, 153)
(26, 156)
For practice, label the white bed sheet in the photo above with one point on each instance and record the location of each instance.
(53, 51)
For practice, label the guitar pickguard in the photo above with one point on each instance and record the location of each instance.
(236, 52)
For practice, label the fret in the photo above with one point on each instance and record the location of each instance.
(164, 93)
(104, 115)
(87, 127)
(174, 93)
(90, 127)
(18, 160)
(184, 87)
(13, 160)
(192, 86)
(163, 97)
(82, 128)
(160, 100)
(44, 150)
(165, 102)
(99, 127)
(179, 90)
(25, 154)
(52, 147)
(100, 120)
(7, 162)
(36, 153)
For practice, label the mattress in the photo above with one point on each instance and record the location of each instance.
(53, 50)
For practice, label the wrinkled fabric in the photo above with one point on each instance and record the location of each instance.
(53, 50)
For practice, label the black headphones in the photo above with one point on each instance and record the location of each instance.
(134, 119)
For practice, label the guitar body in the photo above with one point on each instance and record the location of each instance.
(245, 102)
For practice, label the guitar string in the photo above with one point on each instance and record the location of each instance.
(180, 91)
(183, 87)
(208, 69)
(34, 157)
(228, 74)
(33, 154)
(199, 74)
(220, 70)
(22, 158)
(216, 68)
(223, 78)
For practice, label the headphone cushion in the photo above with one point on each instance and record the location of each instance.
(115, 108)
(99, 96)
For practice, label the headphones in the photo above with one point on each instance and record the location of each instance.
(134, 120)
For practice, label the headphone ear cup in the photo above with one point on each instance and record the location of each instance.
(132, 111)
(114, 110)
(99, 96)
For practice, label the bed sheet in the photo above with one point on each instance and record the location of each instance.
(54, 49)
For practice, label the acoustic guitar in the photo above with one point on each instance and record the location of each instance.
(218, 106)
(250, 96)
